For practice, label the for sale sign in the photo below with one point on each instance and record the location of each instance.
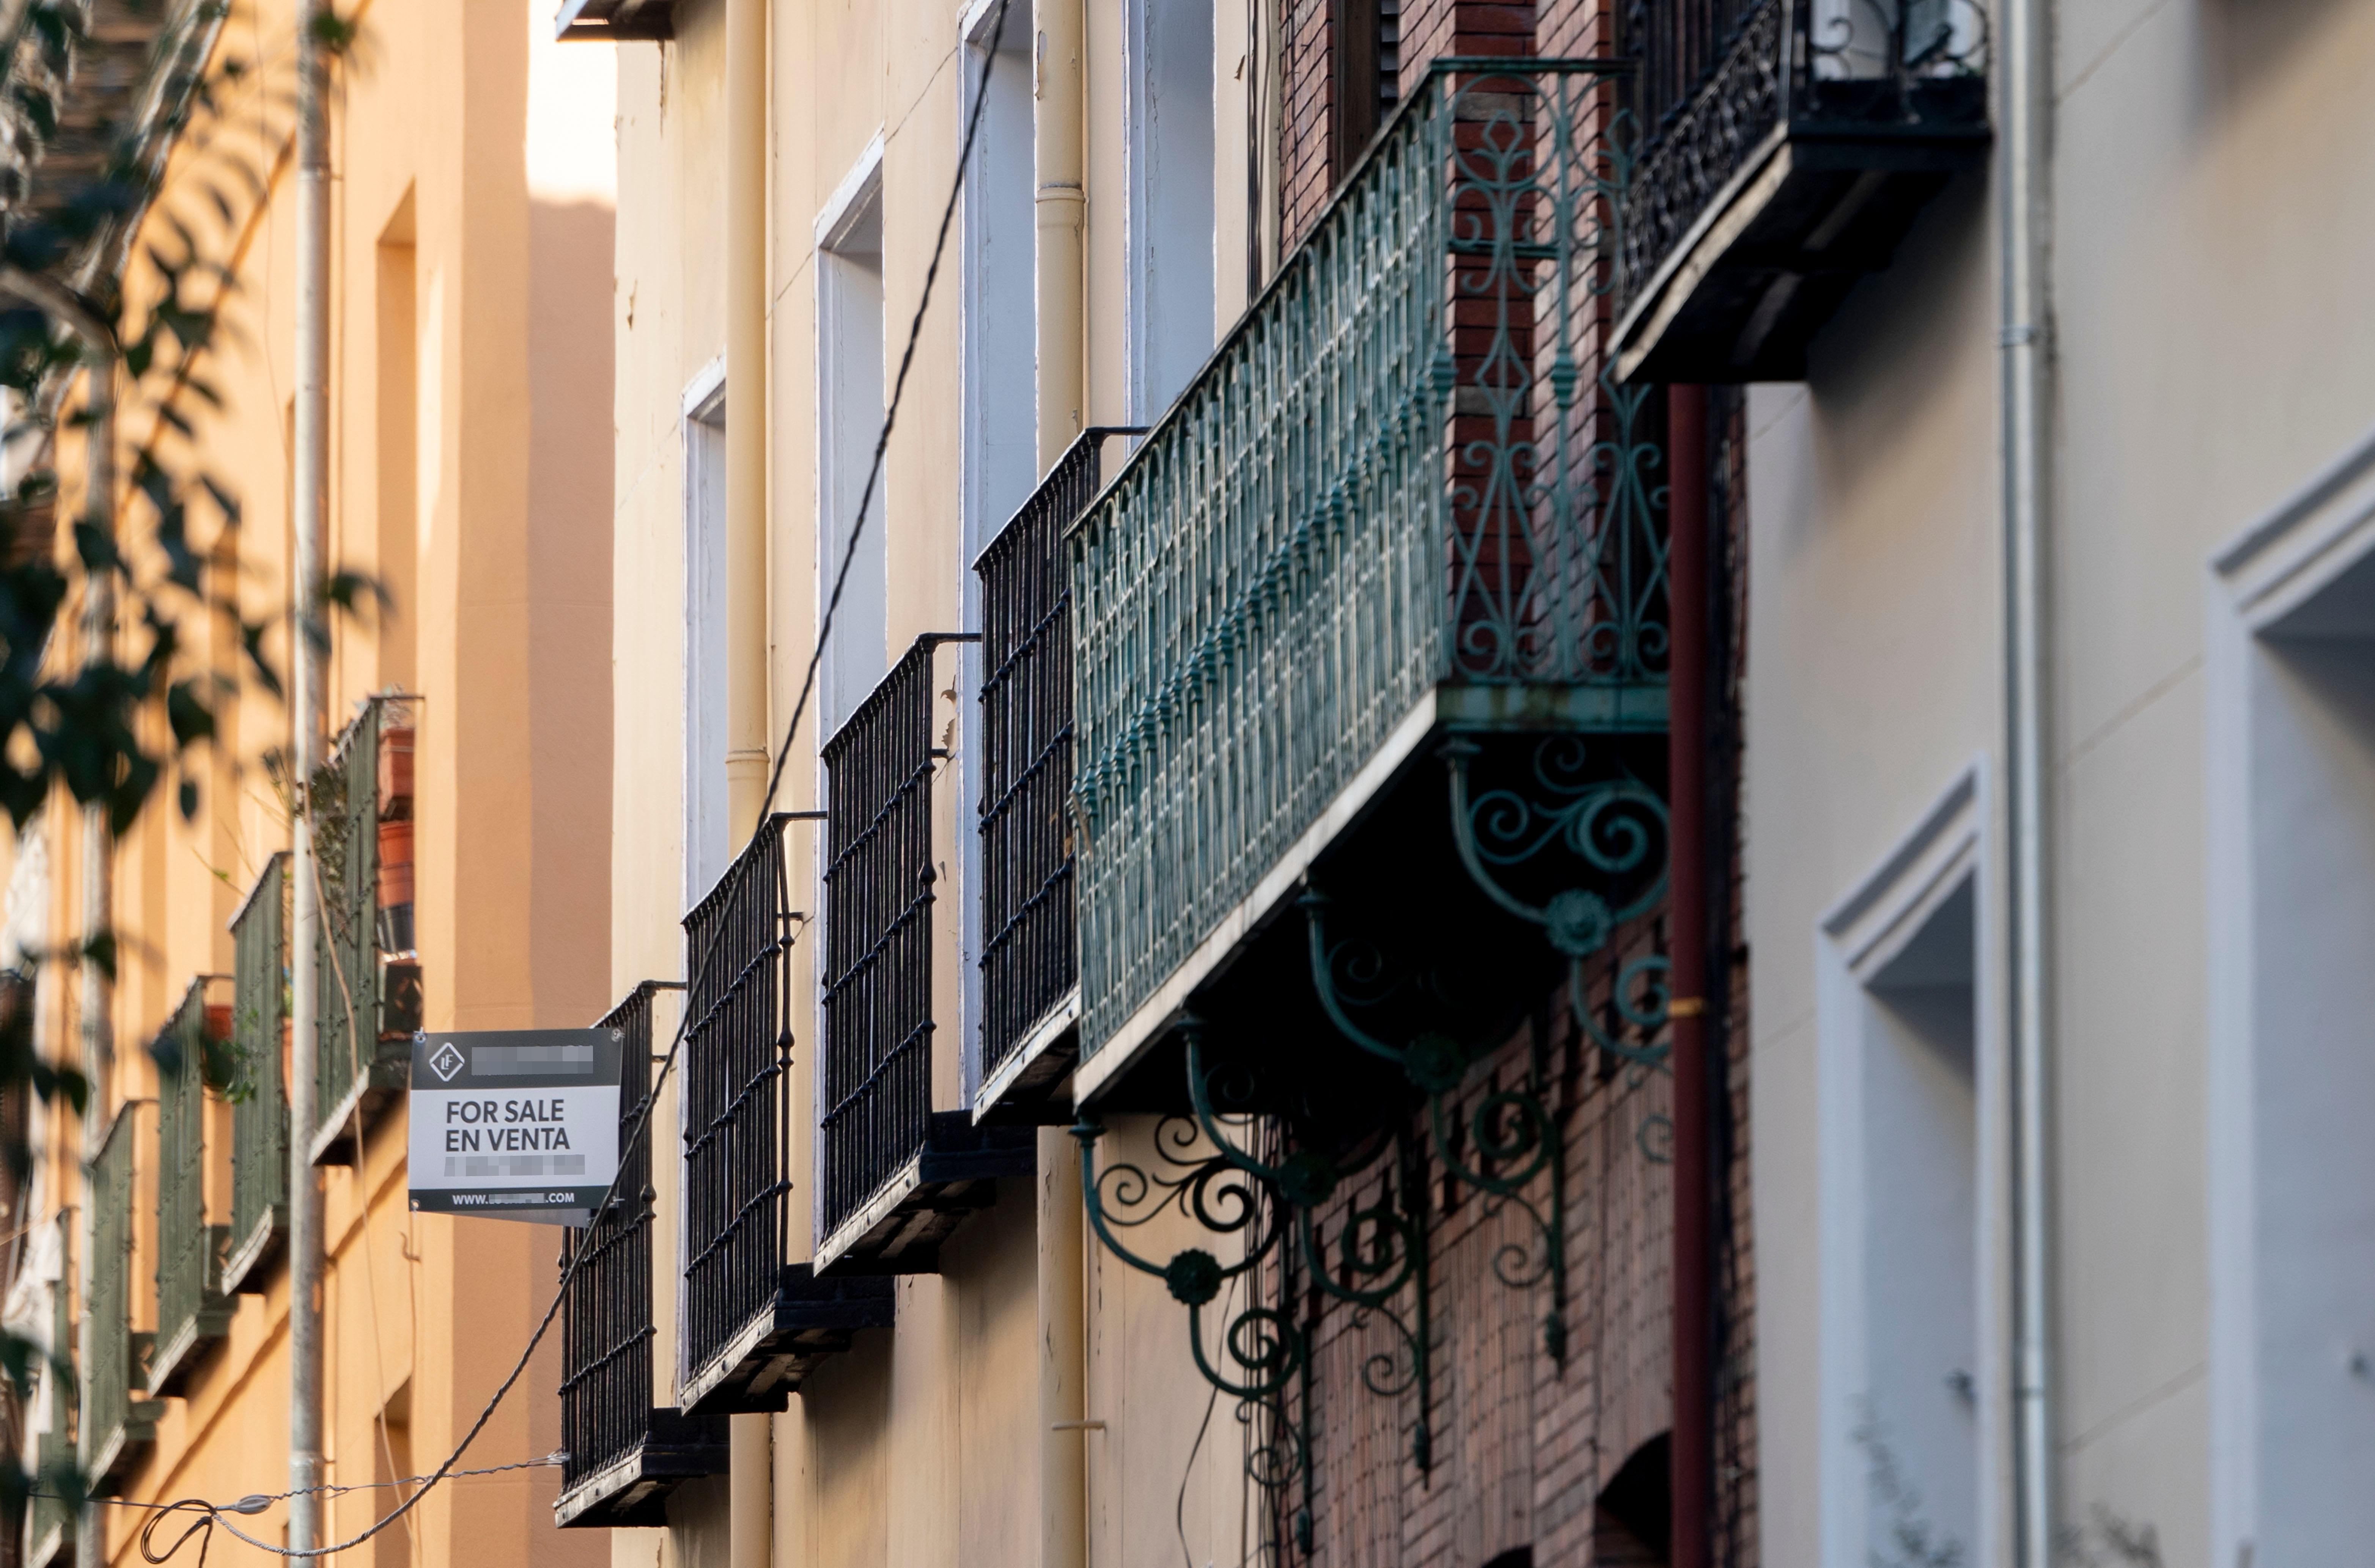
(515, 1124)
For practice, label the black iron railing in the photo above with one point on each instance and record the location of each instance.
(367, 972)
(606, 1336)
(259, 1099)
(738, 1044)
(1717, 76)
(192, 1312)
(874, 1083)
(1029, 961)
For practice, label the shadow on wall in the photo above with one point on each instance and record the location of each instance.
(1632, 1522)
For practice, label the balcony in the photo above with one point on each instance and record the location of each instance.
(49, 1518)
(625, 1454)
(258, 1094)
(1030, 966)
(754, 1323)
(367, 969)
(1805, 140)
(193, 1313)
(1397, 548)
(894, 1178)
(115, 1427)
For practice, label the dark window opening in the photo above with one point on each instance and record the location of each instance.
(1633, 1525)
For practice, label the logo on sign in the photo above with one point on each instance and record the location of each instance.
(447, 1062)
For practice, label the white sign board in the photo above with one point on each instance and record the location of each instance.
(515, 1124)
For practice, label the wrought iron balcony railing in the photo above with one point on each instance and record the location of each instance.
(49, 1518)
(753, 1322)
(192, 1313)
(115, 1426)
(368, 970)
(1404, 495)
(1788, 144)
(1030, 967)
(895, 1177)
(258, 1094)
(737, 1047)
(625, 1452)
(874, 1086)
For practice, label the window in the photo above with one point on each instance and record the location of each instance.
(2291, 817)
(1171, 207)
(849, 412)
(1001, 426)
(707, 834)
(1900, 1034)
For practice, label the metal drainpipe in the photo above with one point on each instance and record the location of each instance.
(750, 1482)
(2025, 226)
(1058, 138)
(1060, 201)
(1058, 133)
(312, 483)
(97, 845)
(1691, 1452)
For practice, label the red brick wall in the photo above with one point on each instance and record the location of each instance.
(1307, 165)
(1522, 1443)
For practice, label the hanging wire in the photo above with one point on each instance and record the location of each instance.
(214, 1513)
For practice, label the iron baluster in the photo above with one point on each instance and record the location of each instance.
(738, 1039)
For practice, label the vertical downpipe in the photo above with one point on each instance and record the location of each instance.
(312, 477)
(2025, 226)
(98, 842)
(1058, 133)
(1692, 1446)
(750, 1468)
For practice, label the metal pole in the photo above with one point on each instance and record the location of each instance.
(2027, 83)
(746, 415)
(1061, 204)
(1692, 1451)
(750, 1472)
(305, 1255)
(97, 845)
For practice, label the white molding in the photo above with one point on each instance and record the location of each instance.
(2298, 547)
(704, 394)
(2254, 730)
(863, 181)
(980, 16)
(1947, 850)
(1918, 874)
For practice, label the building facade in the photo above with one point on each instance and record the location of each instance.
(1141, 823)
(469, 707)
(2178, 648)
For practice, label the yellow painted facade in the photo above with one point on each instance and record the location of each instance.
(469, 473)
(930, 1443)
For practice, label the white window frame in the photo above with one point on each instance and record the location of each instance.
(1949, 850)
(1170, 222)
(1001, 460)
(702, 429)
(863, 609)
(2292, 1331)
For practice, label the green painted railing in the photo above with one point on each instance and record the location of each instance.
(49, 1520)
(259, 1100)
(114, 1424)
(367, 974)
(192, 1313)
(1404, 469)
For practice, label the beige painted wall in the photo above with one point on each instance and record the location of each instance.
(471, 472)
(920, 1446)
(2212, 338)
